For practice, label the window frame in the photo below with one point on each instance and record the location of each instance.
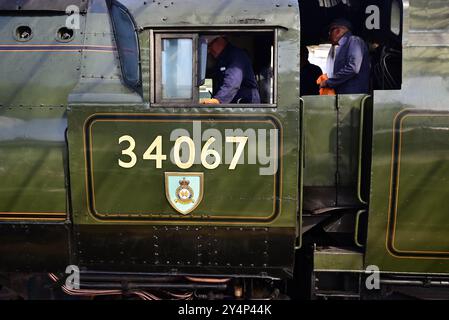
(158, 37)
(155, 59)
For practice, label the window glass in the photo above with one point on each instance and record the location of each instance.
(395, 22)
(127, 44)
(177, 58)
(186, 72)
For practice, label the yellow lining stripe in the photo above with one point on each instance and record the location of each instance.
(165, 220)
(397, 190)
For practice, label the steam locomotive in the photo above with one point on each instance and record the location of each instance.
(117, 181)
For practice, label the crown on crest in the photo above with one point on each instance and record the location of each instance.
(184, 182)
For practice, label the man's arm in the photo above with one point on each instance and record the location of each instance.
(352, 66)
(231, 84)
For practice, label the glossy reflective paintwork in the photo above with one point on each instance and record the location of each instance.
(333, 169)
(48, 87)
(262, 209)
(217, 13)
(409, 173)
(33, 154)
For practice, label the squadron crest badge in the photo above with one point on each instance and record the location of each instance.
(184, 192)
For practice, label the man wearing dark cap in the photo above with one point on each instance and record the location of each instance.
(233, 76)
(348, 63)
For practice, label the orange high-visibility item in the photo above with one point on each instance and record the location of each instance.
(325, 91)
(210, 101)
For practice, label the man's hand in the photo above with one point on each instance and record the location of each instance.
(210, 101)
(324, 89)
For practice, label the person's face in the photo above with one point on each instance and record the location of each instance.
(216, 47)
(336, 33)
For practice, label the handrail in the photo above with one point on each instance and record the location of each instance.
(298, 240)
(356, 233)
(359, 165)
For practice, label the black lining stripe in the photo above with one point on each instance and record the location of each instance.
(181, 117)
(394, 187)
(28, 216)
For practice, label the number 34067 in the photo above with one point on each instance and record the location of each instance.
(154, 152)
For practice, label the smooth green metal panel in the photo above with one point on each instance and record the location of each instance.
(424, 89)
(422, 184)
(32, 156)
(337, 260)
(288, 69)
(140, 191)
(320, 131)
(349, 109)
(333, 159)
(353, 155)
(151, 245)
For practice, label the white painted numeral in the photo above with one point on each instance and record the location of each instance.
(159, 157)
(128, 152)
(177, 156)
(210, 152)
(238, 153)
(154, 152)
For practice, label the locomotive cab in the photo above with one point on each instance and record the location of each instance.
(337, 159)
(174, 54)
(153, 188)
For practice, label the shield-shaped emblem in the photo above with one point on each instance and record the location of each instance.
(184, 191)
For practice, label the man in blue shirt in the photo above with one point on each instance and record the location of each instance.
(233, 75)
(348, 65)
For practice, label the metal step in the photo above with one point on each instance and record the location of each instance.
(337, 294)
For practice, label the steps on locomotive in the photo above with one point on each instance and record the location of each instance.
(337, 273)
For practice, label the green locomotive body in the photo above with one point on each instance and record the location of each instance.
(111, 164)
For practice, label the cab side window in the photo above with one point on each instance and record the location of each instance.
(184, 70)
(175, 76)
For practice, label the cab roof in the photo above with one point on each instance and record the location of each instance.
(193, 13)
(41, 5)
